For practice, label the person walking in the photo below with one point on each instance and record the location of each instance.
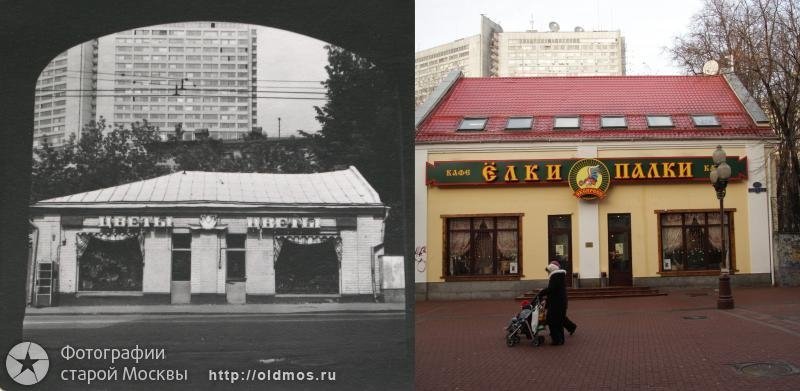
(556, 293)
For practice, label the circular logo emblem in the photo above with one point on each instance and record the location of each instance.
(589, 179)
(27, 363)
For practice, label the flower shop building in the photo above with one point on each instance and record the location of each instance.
(189, 235)
(607, 175)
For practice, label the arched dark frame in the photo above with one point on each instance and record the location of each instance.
(32, 33)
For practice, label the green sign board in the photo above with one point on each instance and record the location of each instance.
(555, 172)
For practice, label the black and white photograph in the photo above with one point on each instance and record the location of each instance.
(207, 195)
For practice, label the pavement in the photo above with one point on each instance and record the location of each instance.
(186, 309)
(675, 342)
(365, 350)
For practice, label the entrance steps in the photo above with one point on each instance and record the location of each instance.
(601, 293)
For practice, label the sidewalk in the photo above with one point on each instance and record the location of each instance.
(189, 309)
(675, 342)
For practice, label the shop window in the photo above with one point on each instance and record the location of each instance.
(691, 241)
(181, 257)
(235, 255)
(109, 262)
(482, 246)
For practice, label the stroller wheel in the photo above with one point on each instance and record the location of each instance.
(511, 340)
(539, 340)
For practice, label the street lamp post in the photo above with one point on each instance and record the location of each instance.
(719, 179)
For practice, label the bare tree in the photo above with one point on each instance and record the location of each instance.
(759, 39)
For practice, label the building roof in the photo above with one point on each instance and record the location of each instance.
(634, 97)
(226, 189)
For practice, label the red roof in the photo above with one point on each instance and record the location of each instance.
(635, 97)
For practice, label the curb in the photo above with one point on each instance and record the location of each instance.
(347, 311)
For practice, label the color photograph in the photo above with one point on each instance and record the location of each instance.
(606, 195)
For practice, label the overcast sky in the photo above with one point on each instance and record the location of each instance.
(284, 55)
(648, 26)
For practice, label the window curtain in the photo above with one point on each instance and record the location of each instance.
(82, 239)
(507, 245)
(279, 241)
(671, 239)
(483, 248)
(82, 242)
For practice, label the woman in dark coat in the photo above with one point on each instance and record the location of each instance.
(556, 293)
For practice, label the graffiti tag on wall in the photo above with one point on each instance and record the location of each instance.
(420, 258)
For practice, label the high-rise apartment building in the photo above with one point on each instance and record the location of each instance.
(494, 52)
(64, 98)
(201, 75)
(476, 56)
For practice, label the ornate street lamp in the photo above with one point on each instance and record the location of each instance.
(719, 179)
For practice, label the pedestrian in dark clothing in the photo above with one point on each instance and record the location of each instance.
(569, 325)
(556, 293)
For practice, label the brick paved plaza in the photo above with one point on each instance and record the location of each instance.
(621, 344)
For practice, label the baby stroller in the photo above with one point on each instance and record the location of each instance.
(529, 321)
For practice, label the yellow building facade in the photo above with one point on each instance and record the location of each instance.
(489, 232)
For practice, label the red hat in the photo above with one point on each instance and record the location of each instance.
(525, 303)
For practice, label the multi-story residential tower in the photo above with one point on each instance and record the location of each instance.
(476, 57)
(494, 52)
(64, 99)
(197, 74)
(553, 53)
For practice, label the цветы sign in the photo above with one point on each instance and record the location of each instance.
(555, 172)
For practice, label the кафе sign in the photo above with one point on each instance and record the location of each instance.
(594, 175)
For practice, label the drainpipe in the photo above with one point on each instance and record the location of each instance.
(769, 219)
(374, 289)
(374, 258)
(32, 264)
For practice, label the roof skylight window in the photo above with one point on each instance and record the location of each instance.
(659, 121)
(566, 123)
(702, 120)
(613, 121)
(519, 123)
(472, 124)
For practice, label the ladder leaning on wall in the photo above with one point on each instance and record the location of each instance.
(44, 284)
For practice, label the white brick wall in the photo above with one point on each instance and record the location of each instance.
(370, 234)
(356, 272)
(205, 259)
(349, 269)
(260, 265)
(206, 275)
(68, 268)
(157, 262)
(49, 250)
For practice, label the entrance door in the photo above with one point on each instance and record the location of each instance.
(181, 285)
(307, 268)
(559, 238)
(619, 249)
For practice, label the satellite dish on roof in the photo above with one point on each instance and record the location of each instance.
(578, 29)
(554, 27)
(711, 68)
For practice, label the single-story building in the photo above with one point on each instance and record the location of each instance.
(189, 235)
